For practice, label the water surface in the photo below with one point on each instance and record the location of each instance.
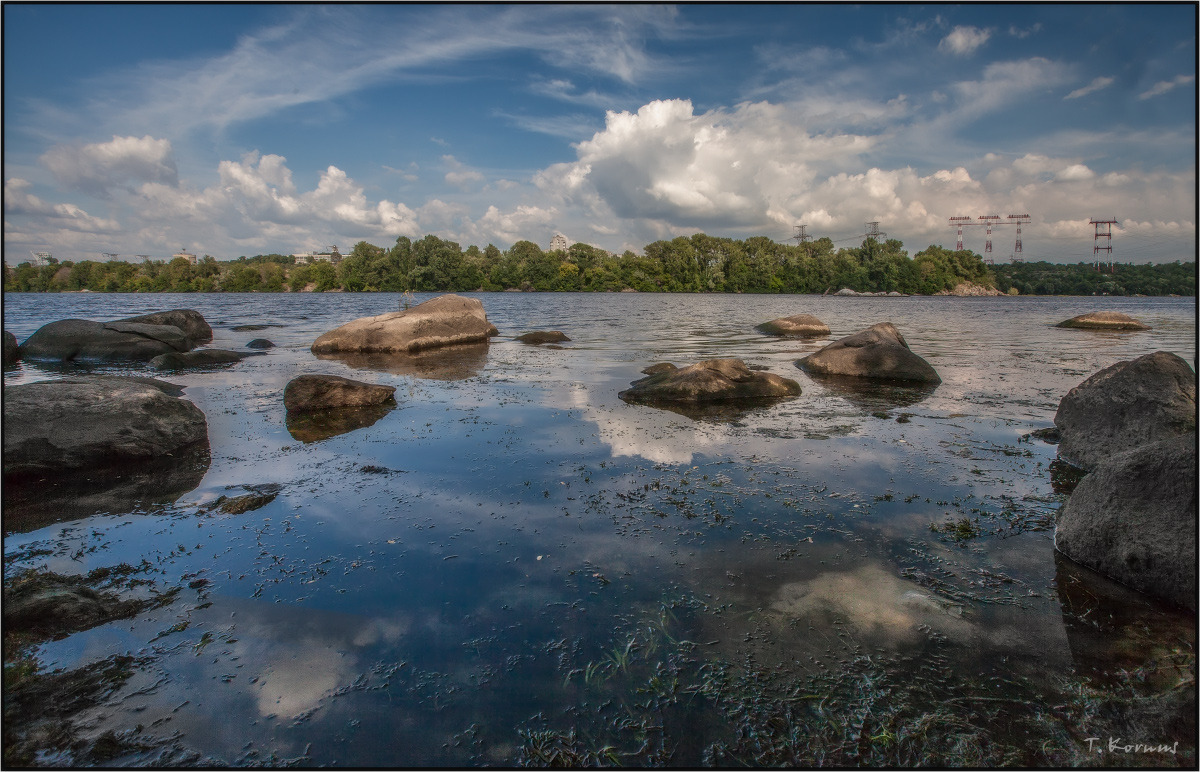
(514, 550)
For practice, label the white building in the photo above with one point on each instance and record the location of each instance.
(332, 256)
(186, 256)
(559, 242)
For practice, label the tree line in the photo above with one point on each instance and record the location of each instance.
(698, 263)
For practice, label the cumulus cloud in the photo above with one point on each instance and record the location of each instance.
(1095, 85)
(1163, 86)
(19, 201)
(964, 40)
(460, 176)
(99, 167)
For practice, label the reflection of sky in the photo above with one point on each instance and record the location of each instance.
(433, 560)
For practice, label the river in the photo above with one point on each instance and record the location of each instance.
(513, 563)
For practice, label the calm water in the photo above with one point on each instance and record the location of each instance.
(431, 588)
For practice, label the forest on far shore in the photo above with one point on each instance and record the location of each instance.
(698, 263)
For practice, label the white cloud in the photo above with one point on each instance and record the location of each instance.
(19, 201)
(1163, 86)
(964, 40)
(97, 168)
(1095, 85)
(460, 176)
(1074, 173)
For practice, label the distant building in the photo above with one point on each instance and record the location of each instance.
(559, 242)
(185, 255)
(40, 258)
(332, 256)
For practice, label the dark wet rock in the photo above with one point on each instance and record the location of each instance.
(321, 425)
(260, 343)
(798, 326)
(307, 393)
(449, 363)
(71, 340)
(46, 605)
(1134, 518)
(539, 337)
(1050, 435)
(878, 352)
(191, 323)
(205, 357)
(713, 380)
(11, 349)
(661, 367)
(239, 505)
(1132, 402)
(447, 320)
(1104, 320)
(253, 327)
(85, 422)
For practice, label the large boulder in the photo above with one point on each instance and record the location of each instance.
(713, 380)
(307, 393)
(798, 326)
(93, 421)
(443, 321)
(1104, 320)
(191, 323)
(71, 340)
(10, 348)
(879, 351)
(1134, 518)
(1132, 402)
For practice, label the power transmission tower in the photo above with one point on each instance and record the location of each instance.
(988, 219)
(873, 234)
(960, 222)
(1018, 219)
(1106, 234)
(800, 234)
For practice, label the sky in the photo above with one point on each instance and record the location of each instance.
(231, 130)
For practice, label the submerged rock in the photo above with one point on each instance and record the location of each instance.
(713, 380)
(48, 604)
(798, 326)
(260, 343)
(200, 358)
(1134, 519)
(1104, 320)
(879, 351)
(86, 422)
(1129, 403)
(139, 338)
(307, 393)
(539, 337)
(443, 321)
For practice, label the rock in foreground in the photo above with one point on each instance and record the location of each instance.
(443, 321)
(1134, 517)
(879, 351)
(307, 393)
(713, 380)
(191, 323)
(1104, 320)
(10, 348)
(798, 326)
(1130, 403)
(91, 422)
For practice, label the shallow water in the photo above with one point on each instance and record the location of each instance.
(433, 586)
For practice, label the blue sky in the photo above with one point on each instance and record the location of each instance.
(244, 129)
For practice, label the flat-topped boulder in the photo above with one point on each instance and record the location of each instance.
(1129, 403)
(879, 352)
(538, 337)
(84, 422)
(713, 380)
(138, 338)
(306, 393)
(798, 326)
(1133, 518)
(204, 357)
(1104, 320)
(443, 321)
